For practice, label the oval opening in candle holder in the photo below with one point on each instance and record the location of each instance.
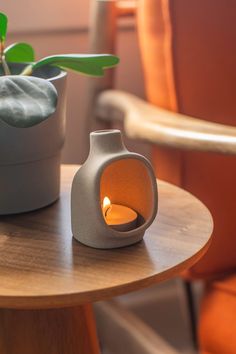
(127, 182)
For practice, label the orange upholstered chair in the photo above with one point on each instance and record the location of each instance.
(188, 51)
(192, 44)
(189, 61)
(217, 326)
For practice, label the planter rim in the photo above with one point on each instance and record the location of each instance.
(61, 74)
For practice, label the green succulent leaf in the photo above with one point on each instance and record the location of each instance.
(3, 26)
(3, 34)
(26, 101)
(93, 65)
(19, 52)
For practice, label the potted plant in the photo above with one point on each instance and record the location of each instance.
(32, 121)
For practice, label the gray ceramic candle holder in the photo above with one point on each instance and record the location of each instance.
(126, 178)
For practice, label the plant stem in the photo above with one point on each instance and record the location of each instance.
(27, 70)
(5, 66)
(6, 69)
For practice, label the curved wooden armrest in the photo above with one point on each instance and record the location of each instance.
(126, 7)
(159, 126)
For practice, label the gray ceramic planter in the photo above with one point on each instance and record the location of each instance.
(30, 157)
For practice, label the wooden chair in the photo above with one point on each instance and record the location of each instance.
(188, 52)
(137, 337)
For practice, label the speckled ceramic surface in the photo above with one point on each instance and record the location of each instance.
(126, 177)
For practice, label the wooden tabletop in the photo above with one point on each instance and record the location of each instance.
(42, 266)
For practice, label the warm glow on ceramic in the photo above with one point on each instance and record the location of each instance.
(118, 216)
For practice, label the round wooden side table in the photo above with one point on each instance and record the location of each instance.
(48, 280)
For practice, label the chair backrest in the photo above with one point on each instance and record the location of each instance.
(188, 51)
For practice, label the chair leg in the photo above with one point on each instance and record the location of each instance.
(191, 311)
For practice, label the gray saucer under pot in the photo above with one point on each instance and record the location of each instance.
(30, 157)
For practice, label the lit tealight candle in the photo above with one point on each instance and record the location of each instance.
(119, 217)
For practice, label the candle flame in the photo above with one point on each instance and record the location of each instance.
(106, 205)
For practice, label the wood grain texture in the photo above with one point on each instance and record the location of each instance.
(145, 121)
(65, 331)
(42, 266)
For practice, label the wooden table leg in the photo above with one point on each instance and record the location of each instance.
(53, 331)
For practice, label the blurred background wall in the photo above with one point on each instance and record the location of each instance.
(54, 27)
